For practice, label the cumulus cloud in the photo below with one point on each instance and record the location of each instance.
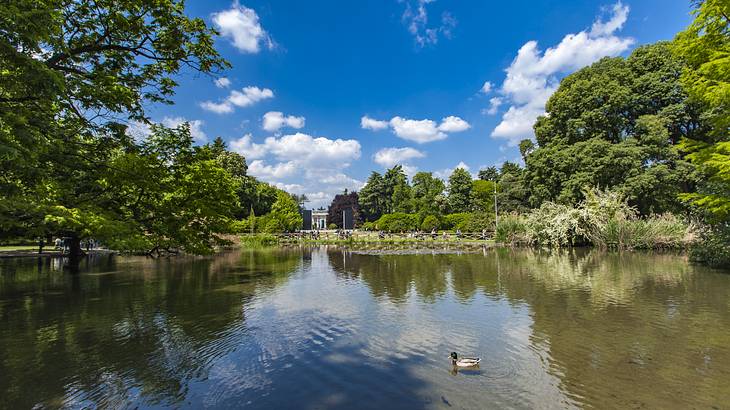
(415, 17)
(241, 26)
(244, 98)
(260, 169)
(275, 120)
(494, 104)
(222, 82)
(388, 157)
(487, 87)
(368, 123)
(312, 164)
(453, 124)
(420, 131)
(533, 75)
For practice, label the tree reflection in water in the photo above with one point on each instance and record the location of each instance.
(137, 326)
(329, 327)
(616, 326)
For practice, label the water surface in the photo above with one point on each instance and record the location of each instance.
(323, 327)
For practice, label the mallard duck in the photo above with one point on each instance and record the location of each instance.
(464, 361)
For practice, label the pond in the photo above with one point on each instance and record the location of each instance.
(326, 327)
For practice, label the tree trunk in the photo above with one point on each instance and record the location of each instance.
(74, 253)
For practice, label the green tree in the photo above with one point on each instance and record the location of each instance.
(482, 195)
(70, 72)
(460, 184)
(284, 214)
(373, 197)
(426, 190)
(705, 45)
(489, 174)
(396, 189)
(614, 125)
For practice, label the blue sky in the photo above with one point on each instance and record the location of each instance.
(323, 92)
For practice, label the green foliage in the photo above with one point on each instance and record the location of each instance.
(604, 219)
(426, 191)
(397, 222)
(479, 221)
(285, 216)
(456, 221)
(258, 240)
(429, 223)
(459, 190)
(368, 226)
(614, 125)
(705, 47)
(712, 247)
(373, 198)
(482, 195)
(511, 230)
(489, 174)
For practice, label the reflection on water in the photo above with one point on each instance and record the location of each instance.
(330, 328)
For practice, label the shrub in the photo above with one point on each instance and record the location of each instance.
(479, 221)
(713, 248)
(429, 223)
(274, 225)
(456, 221)
(258, 240)
(397, 222)
(511, 230)
(241, 226)
(368, 226)
(332, 226)
(552, 225)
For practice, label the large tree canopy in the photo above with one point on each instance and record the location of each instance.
(72, 73)
(615, 124)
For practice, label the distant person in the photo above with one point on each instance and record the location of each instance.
(57, 243)
(458, 234)
(433, 234)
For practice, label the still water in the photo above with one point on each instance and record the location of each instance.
(318, 328)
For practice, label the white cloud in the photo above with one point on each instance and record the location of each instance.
(291, 188)
(415, 17)
(260, 169)
(368, 123)
(533, 75)
(246, 147)
(301, 148)
(388, 157)
(224, 107)
(494, 104)
(420, 131)
(453, 124)
(619, 15)
(241, 25)
(274, 120)
(244, 98)
(222, 82)
(487, 87)
(303, 163)
(196, 127)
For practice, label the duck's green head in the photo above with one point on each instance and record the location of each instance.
(454, 355)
